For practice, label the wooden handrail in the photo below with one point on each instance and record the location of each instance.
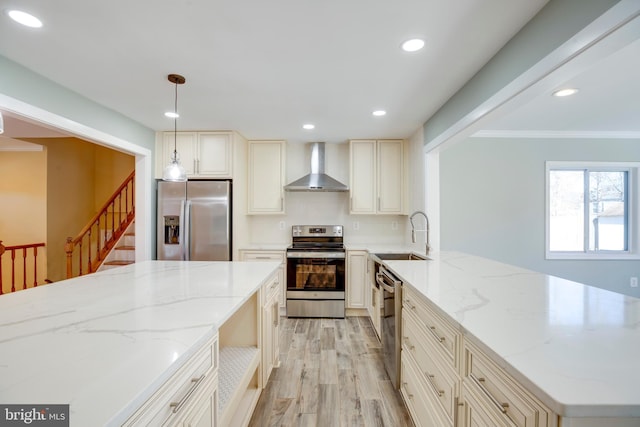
(93, 243)
(25, 251)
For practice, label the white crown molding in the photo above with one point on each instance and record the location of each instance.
(556, 134)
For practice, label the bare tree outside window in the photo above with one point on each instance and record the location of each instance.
(601, 224)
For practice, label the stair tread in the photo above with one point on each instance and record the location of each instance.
(125, 248)
(119, 262)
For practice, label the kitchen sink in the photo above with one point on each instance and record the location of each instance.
(391, 256)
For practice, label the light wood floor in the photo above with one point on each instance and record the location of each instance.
(331, 374)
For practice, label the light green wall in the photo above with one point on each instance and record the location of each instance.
(25, 85)
(493, 203)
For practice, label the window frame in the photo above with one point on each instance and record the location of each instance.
(632, 199)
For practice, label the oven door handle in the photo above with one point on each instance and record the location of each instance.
(380, 280)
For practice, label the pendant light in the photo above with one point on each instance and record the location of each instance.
(174, 170)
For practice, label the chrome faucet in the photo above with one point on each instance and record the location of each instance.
(426, 230)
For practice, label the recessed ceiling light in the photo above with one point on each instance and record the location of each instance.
(308, 126)
(24, 18)
(172, 115)
(379, 113)
(565, 92)
(412, 45)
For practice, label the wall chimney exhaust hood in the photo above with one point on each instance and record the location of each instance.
(317, 180)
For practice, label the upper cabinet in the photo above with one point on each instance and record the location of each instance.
(266, 177)
(377, 176)
(202, 154)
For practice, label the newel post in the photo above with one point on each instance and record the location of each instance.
(68, 248)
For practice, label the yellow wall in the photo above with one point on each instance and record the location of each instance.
(80, 176)
(23, 218)
(114, 168)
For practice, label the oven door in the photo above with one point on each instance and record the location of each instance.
(315, 285)
(318, 273)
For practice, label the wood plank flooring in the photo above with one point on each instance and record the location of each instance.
(331, 374)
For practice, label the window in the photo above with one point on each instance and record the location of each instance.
(590, 210)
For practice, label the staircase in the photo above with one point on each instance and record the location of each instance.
(124, 252)
(106, 230)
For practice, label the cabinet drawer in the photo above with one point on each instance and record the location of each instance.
(177, 392)
(477, 414)
(422, 410)
(440, 381)
(262, 256)
(447, 338)
(502, 394)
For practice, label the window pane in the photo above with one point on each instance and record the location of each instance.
(566, 210)
(607, 211)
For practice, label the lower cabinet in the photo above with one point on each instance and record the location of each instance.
(447, 380)
(181, 399)
(356, 283)
(270, 328)
(270, 255)
(221, 383)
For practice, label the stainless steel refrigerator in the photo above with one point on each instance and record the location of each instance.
(194, 220)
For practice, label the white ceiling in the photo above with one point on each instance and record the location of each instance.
(264, 68)
(605, 106)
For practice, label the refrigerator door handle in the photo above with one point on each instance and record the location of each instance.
(187, 229)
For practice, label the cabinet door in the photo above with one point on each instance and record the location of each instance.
(281, 256)
(357, 278)
(185, 145)
(390, 177)
(270, 330)
(266, 177)
(362, 177)
(214, 154)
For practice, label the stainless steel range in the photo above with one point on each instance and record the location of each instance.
(316, 271)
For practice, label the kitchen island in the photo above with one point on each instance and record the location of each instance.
(105, 343)
(573, 348)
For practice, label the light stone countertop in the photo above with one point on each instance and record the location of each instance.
(576, 347)
(103, 343)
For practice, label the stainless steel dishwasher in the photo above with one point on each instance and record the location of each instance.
(391, 334)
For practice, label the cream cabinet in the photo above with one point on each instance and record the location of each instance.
(377, 177)
(490, 393)
(269, 255)
(447, 380)
(373, 295)
(202, 154)
(356, 285)
(427, 345)
(266, 177)
(270, 328)
(189, 395)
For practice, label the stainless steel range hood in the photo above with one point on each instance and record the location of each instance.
(317, 180)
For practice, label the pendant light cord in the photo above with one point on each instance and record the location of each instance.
(175, 125)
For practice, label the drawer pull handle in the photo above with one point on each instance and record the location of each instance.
(435, 334)
(408, 343)
(432, 383)
(406, 386)
(502, 407)
(408, 304)
(176, 406)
